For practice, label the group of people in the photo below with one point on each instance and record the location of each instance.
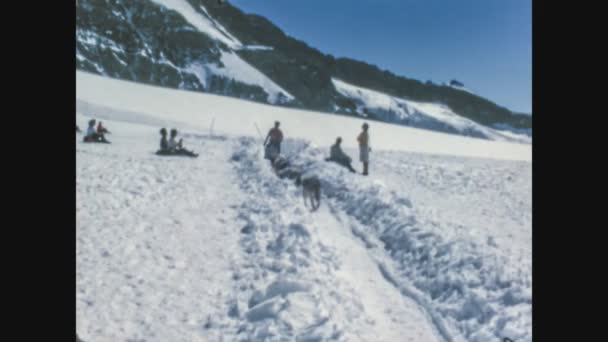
(95, 134)
(274, 138)
(167, 146)
(172, 146)
(272, 144)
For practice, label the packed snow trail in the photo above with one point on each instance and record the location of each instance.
(471, 275)
(218, 249)
(321, 283)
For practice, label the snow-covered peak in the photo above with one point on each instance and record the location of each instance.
(204, 23)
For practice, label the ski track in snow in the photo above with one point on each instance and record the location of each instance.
(218, 248)
(322, 285)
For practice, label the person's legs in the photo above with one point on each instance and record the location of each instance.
(186, 152)
(102, 138)
(365, 166)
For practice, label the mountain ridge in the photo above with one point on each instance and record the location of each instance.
(146, 41)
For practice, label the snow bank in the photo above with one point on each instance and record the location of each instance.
(471, 290)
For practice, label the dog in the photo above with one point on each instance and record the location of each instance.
(311, 190)
(311, 185)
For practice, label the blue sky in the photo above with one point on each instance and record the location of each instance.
(485, 44)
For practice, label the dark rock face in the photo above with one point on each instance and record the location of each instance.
(144, 42)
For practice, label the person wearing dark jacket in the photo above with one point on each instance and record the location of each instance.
(164, 144)
(273, 142)
(338, 156)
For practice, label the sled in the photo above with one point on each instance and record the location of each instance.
(96, 141)
(176, 153)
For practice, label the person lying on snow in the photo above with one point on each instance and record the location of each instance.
(172, 147)
(101, 129)
(92, 135)
(336, 155)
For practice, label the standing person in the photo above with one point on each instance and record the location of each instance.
(273, 141)
(364, 148)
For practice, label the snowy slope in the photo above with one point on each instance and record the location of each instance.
(183, 44)
(433, 246)
(228, 115)
(219, 61)
(194, 250)
(202, 23)
(418, 114)
(232, 66)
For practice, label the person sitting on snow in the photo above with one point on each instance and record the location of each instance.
(92, 135)
(101, 129)
(338, 156)
(176, 146)
(164, 144)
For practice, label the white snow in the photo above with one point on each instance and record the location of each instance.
(432, 246)
(462, 88)
(203, 23)
(92, 38)
(238, 69)
(197, 110)
(256, 48)
(420, 114)
(233, 66)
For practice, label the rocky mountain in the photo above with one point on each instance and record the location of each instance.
(212, 46)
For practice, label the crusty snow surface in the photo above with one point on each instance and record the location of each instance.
(429, 247)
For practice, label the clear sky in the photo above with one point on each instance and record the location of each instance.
(485, 44)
